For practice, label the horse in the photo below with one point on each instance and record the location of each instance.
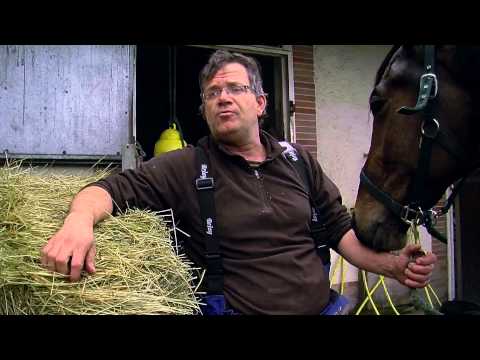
(425, 105)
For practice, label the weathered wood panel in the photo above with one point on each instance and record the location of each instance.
(64, 99)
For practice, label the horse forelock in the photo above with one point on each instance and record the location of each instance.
(384, 65)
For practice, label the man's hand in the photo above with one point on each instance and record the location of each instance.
(413, 267)
(72, 246)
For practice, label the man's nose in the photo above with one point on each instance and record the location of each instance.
(224, 97)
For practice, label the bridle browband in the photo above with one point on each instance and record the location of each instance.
(415, 212)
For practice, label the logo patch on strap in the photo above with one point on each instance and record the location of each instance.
(204, 171)
(289, 150)
(209, 226)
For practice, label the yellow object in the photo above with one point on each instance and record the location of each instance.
(169, 140)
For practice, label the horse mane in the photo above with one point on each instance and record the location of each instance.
(385, 63)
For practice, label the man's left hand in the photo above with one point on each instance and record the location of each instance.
(414, 267)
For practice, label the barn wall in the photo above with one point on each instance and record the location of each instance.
(344, 77)
(66, 100)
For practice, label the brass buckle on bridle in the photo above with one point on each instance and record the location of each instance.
(433, 216)
(417, 220)
(435, 84)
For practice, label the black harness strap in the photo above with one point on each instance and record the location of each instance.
(318, 228)
(205, 186)
(430, 125)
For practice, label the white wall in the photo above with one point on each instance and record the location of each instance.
(344, 78)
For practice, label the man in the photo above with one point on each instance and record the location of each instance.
(263, 213)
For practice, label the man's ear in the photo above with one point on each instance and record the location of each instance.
(201, 111)
(262, 104)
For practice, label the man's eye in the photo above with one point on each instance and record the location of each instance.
(236, 89)
(212, 92)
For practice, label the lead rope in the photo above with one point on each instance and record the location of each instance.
(413, 237)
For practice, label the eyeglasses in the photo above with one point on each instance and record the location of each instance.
(232, 89)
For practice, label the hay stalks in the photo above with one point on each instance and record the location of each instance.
(138, 271)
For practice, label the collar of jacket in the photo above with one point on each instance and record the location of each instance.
(272, 147)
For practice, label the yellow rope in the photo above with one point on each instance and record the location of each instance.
(388, 296)
(335, 267)
(414, 237)
(428, 297)
(369, 292)
(343, 275)
(434, 294)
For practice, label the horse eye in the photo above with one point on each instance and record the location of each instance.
(376, 104)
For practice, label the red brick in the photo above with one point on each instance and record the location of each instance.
(305, 92)
(306, 111)
(306, 141)
(301, 58)
(305, 104)
(306, 135)
(305, 119)
(301, 85)
(305, 98)
(303, 48)
(297, 60)
(302, 67)
(304, 79)
(304, 75)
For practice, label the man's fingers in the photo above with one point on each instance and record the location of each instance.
(50, 258)
(62, 262)
(90, 260)
(428, 259)
(78, 260)
(45, 251)
(421, 269)
(421, 278)
(415, 284)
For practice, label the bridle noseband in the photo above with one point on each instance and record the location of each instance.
(415, 212)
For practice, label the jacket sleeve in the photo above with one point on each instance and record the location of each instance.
(326, 196)
(154, 185)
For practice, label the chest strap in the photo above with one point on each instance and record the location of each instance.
(318, 228)
(205, 186)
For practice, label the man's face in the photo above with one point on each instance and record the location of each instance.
(232, 118)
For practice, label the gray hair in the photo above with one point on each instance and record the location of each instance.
(219, 59)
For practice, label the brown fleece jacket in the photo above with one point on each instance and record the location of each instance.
(263, 221)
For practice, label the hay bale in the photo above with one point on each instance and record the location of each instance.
(137, 269)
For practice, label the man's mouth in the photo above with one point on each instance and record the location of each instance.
(226, 113)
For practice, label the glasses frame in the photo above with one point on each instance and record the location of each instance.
(228, 89)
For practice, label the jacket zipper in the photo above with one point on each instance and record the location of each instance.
(266, 204)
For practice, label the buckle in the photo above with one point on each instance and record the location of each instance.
(431, 129)
(418, 215)
(433, 216)
(435, 83)
(204, 184)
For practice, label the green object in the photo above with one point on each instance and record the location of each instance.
(169, 140)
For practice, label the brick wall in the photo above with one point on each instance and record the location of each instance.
(305, 114)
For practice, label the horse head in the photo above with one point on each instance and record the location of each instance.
(444, 110)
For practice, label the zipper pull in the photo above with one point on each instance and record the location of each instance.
(256, 174)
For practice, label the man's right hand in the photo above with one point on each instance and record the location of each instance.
(72, 248)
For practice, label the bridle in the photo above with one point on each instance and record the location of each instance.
(415, 212)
